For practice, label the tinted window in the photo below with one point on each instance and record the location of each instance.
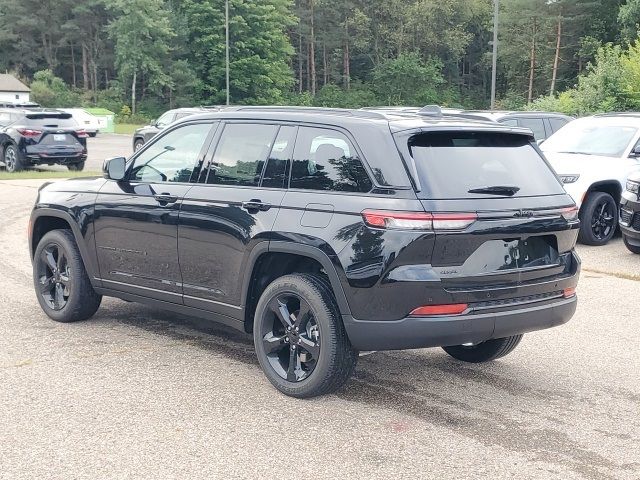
(452, 163)
(183, 114)
(241, 153)
(557, 123)
(536, 125)
(50, 121)
(512, 122)
(172, 157)
(275, 173)
(326, 160)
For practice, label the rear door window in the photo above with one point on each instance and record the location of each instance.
(536, 125)
(326, 160)
(557, 123)
(276, 171)
(240, 155)
(450, 164)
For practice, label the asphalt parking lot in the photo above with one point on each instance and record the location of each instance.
(140, 393)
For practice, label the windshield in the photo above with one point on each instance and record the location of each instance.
(479, 165)
(590, 139)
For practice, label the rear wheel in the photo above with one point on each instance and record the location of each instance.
(299, 337)
(60, 279)
(630, 247)
(11, 159)
(484, 351)
(76, 167)
(93, 134)
(598, 219)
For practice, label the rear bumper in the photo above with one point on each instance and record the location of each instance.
(45, 159)
(438, 331)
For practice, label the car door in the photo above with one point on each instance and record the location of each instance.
(136, 219)
(232, 210)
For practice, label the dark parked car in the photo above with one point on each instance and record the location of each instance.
(143, 134)
(630, 213)
(41, 137)
(324, 232)
(542, 124)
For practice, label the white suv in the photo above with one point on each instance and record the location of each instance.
(593, 157)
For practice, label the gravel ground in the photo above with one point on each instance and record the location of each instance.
(140, 393)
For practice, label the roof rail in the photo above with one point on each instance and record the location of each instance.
(319, 110)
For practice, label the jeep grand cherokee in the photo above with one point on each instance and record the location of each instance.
(324, 233)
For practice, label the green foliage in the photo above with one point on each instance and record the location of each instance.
(358, 96)
(629, 18)
(51, 91)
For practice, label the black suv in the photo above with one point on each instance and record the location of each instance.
(630, 213)
(41, 137)
(324, 232)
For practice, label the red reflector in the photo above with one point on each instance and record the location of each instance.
(569, 292)
(82, 134)
(570, 213)
(451, 309)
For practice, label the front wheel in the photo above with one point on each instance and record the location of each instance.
(484, 351)
(632, 248)
(598, 219)
(61, 282)
(138, 144)
(299, 337)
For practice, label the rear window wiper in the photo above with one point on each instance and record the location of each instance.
(508, 190)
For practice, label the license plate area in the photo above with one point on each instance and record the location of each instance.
(59, 137)
(532, 252)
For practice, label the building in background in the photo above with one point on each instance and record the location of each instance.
(12, 89)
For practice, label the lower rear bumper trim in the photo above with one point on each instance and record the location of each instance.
(438, 331)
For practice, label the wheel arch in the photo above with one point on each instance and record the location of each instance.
(612, 187)
(45, 220)
(271, 260)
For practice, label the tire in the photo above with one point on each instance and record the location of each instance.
(62, 285)
(76, 167)
(93, 134)
(598, 219)
(632, 248)
(11, 159)
(323, 358)
(138, 144)
(484, 351)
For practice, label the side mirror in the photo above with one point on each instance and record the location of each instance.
(114, 168)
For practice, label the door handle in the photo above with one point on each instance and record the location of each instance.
(254, 206)
(165, 198)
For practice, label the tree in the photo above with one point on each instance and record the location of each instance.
(141, 32)
(259, 54)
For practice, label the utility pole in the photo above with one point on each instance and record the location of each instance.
(494, 59)
(226, 26)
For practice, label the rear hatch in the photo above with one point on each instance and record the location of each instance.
(54, 134)
(520, 225)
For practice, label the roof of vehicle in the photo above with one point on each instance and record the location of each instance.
(627, 119)
(500, 114)
(35, 112)
(397, 119)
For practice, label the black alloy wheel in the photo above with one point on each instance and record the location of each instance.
(598, 219)
(54, 276)
(290, 337)
(300, 340)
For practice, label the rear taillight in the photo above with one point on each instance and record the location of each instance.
(570, 213)
(417, 220)
(82, 134)
(448, 309)
(29, 132)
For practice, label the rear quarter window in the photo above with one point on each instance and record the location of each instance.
(449, 164)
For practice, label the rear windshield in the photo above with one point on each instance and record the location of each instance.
(61, 121)
(450, 164)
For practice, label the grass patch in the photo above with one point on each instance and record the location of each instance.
(126, 128)
(44, 174)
